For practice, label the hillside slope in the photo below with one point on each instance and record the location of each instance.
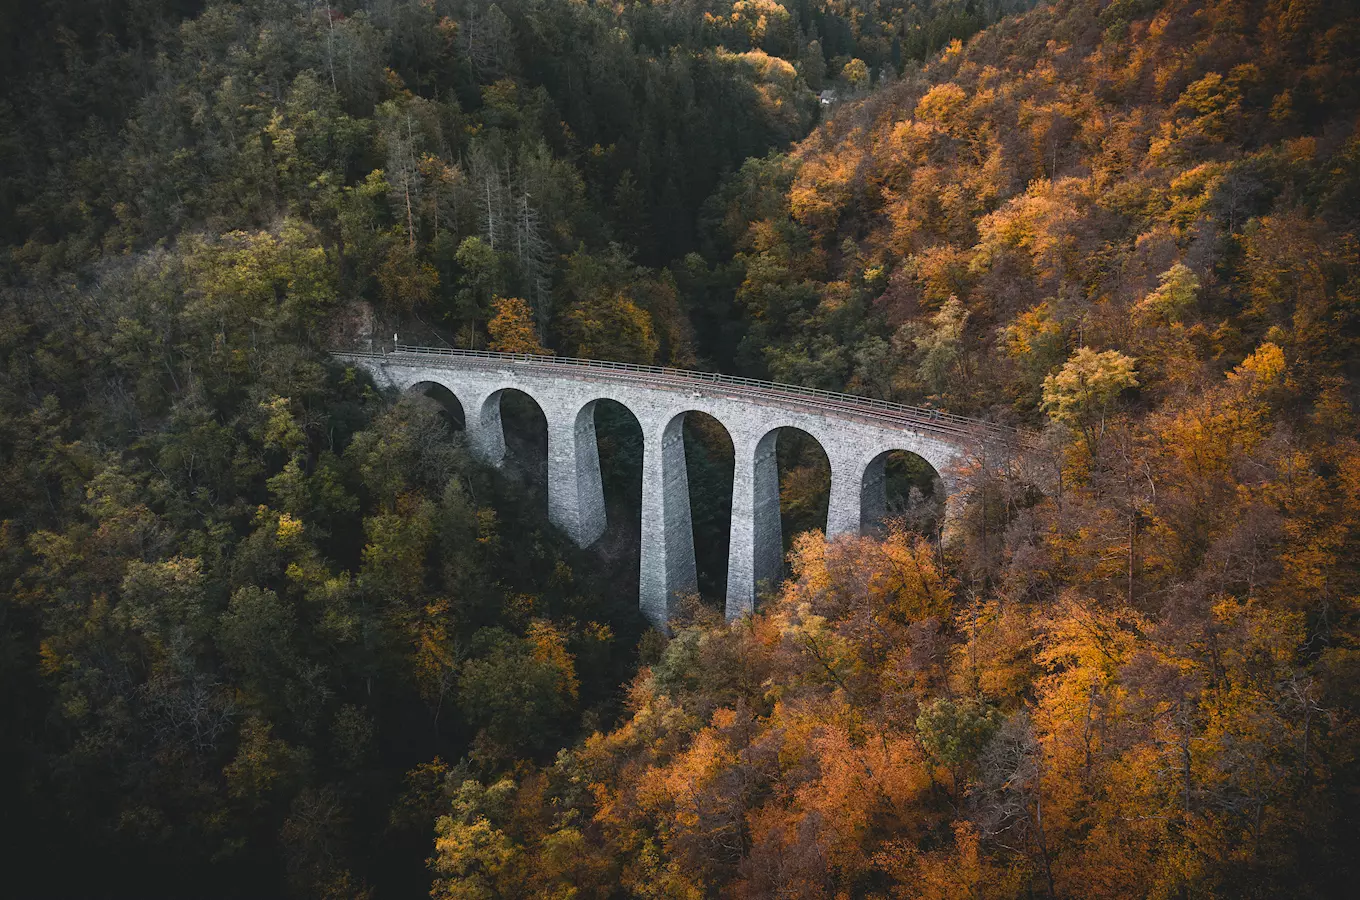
(1132, 225)
(1047, 177)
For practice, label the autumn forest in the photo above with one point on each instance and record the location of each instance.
(270, 630)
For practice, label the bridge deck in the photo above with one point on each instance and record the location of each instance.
(803, 399)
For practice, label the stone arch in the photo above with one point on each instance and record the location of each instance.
(756, 545)
(444, 395)
(576, 501)
(710, 463)
(801, 455)
(668, 565)
(486, 429)
(486, 446)
(619, 438)
(888, 483)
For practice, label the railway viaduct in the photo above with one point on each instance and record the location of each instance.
(856, 433)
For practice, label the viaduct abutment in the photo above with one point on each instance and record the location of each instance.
(856, 434)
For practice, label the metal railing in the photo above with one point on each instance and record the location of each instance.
(815, 399)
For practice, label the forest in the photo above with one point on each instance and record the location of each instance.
(268, 630)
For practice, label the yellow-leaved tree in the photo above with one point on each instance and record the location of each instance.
(512, 327)
(1082, 393)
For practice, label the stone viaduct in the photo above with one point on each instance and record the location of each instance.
(856, 433)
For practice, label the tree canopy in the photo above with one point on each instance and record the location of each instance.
(267, 630)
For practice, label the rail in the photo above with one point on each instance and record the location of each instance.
(922, 418)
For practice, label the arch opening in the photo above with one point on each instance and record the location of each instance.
(710, 462)
(618, 439)
(804, 483)
(450, 406)
(524, 428)
(900, 486)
